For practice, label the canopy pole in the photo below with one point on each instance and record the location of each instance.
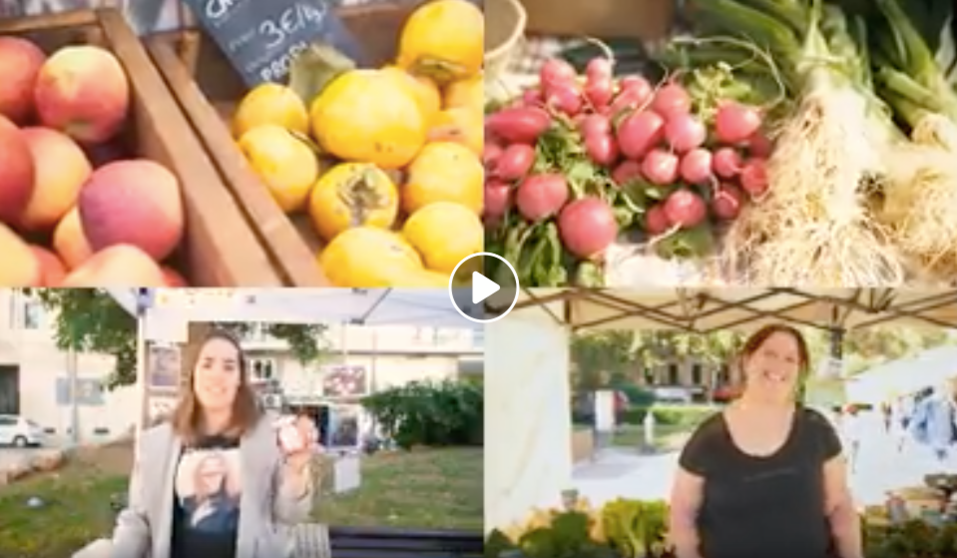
(527, 419)
(837, 342)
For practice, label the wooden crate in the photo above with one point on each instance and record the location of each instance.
(648, 20)
(219, 249)
(208, 90)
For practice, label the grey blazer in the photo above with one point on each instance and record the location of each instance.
(267, 506)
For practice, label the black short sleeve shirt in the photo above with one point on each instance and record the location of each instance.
(763, 507)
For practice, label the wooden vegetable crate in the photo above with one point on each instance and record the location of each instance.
(648, 20)
(218, 248)
(209, 89)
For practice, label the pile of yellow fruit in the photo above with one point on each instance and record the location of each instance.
(420, 119)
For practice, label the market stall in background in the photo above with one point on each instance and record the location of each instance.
(540, 502)
(321, 135)
(725, 142)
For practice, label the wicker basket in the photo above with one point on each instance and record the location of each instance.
(504, 29)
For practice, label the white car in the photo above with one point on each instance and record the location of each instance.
(20, 432)
(673, 395)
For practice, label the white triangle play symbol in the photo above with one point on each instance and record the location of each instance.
(482, 287)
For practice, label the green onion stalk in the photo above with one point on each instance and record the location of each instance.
(909, 79)
(813, 225)
(921, 182)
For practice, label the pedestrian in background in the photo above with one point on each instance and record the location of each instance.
(899, 421)
(851, 426)
(935, 423)
(887, 415)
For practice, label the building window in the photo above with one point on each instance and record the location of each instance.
(446, 337)
(696, 376)
(262, 369)
(425, 336)
(673, 375)
(32, 314)
(478, 338)
(724, 375)
(650, 377)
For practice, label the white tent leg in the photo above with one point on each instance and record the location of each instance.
(528, 461)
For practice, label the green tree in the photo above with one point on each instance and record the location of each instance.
(715, 348)
(601, 358)
(868, 347)
(89, 320)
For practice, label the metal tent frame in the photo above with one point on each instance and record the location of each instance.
(547, 317)
(695, 310)
(416, 307)
(165, 314)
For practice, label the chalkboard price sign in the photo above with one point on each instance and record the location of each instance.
(261, 38)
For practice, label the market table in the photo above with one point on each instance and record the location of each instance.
(317, 540)
(314, 540)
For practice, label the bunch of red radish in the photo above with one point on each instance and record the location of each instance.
(634, 131)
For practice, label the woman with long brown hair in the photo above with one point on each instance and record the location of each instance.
(216, 479)
(765, 477)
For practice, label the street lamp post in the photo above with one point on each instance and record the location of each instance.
(144, 300)
(72, 366)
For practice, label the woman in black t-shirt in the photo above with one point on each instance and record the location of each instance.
(765, 477)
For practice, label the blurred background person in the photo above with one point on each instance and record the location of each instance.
(852, 431)
(934, 423)
(900, 417)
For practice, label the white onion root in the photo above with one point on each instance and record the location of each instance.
(813, 226)
(920, 196)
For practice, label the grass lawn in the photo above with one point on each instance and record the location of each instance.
(423, 488)
(675, 424)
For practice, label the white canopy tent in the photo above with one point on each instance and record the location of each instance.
(528, 439)
(899, 377)
(706, 310)
(164, 315)
(167, 311)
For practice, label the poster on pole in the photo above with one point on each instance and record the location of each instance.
(160, 408)
(163, 368)
(89, 392)
(344, 380)
(347, 473)
(343, 426)
(605, 410)
(830, 368)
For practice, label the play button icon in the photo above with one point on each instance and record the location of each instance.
(482, 287)
(476, 295)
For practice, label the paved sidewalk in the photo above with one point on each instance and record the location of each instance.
(625, 473)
